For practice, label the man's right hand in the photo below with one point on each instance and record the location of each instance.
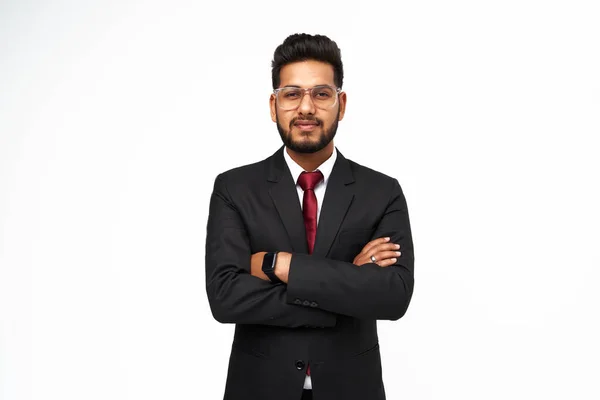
(385, 253)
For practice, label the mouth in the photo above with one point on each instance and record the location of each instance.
(306, 125)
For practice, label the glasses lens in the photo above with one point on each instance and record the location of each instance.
(323, 96)
(289, 98)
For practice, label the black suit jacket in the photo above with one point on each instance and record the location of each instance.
(326, 314)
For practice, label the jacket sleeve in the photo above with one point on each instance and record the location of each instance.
(234, 295)
(368, 291)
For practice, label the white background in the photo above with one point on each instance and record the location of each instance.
(116, 116)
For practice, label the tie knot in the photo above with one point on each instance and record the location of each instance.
(308, 180)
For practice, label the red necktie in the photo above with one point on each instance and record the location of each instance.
(308, 181)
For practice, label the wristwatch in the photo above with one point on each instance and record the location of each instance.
(268, 267)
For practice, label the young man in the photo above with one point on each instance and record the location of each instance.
(306, 249)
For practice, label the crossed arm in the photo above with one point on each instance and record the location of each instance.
(384, 253)
(239, 292)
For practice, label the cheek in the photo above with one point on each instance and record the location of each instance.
(284, 119)
(327, 119)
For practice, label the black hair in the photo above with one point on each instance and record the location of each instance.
(303, 47)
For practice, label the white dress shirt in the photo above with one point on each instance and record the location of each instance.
(325, 169)
(296, 170)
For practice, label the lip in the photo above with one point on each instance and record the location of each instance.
(315, 123)
(305, 127)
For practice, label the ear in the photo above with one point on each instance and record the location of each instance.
(342, 100)
(273, 107)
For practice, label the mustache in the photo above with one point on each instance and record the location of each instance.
(307, 118)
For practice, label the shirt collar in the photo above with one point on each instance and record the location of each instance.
(296, 170)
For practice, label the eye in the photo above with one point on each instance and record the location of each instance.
(322, 93)
(290, 94)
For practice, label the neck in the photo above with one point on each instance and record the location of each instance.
(311, 161)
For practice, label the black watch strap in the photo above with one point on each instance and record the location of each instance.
(268, 267)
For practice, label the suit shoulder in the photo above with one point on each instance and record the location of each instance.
(370, 175)
(244, 174)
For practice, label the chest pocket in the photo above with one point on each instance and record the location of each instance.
(350, 242)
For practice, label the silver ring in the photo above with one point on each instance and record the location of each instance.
(373, 259)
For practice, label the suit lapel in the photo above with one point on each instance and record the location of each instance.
(337, 200)
(285, 197)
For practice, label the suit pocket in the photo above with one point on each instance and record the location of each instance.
(361, 374)
(238, 347)
(353, 240)
(366, 352)
(353, 236)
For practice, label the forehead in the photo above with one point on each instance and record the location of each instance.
(306, 74)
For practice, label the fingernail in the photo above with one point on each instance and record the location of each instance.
(387, 239)
(397, 246)
(394, 260)
(398, 253)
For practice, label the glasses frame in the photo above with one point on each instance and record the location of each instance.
(337, 91)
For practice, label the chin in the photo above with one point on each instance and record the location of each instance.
(306, 136)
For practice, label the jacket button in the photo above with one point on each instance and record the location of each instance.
(313, 304)
(306, 302)
(297, 301)
(299, 365)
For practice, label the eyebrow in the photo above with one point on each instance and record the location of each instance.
(300, 87)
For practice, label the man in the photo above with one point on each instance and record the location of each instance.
(306, 249)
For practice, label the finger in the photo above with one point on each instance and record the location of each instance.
(369, 246)
(386, 255)
(362, 261)
(384, 247)
(373, 243)
(368, 260)
(387, 263)
(382, 255)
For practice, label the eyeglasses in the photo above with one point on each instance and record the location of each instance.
(323, 97)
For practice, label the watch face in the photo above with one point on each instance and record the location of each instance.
(268, 261)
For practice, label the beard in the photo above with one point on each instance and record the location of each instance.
(325, 137)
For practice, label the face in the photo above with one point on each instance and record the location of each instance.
(307, 129)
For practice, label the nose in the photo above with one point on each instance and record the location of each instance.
(307, 107)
